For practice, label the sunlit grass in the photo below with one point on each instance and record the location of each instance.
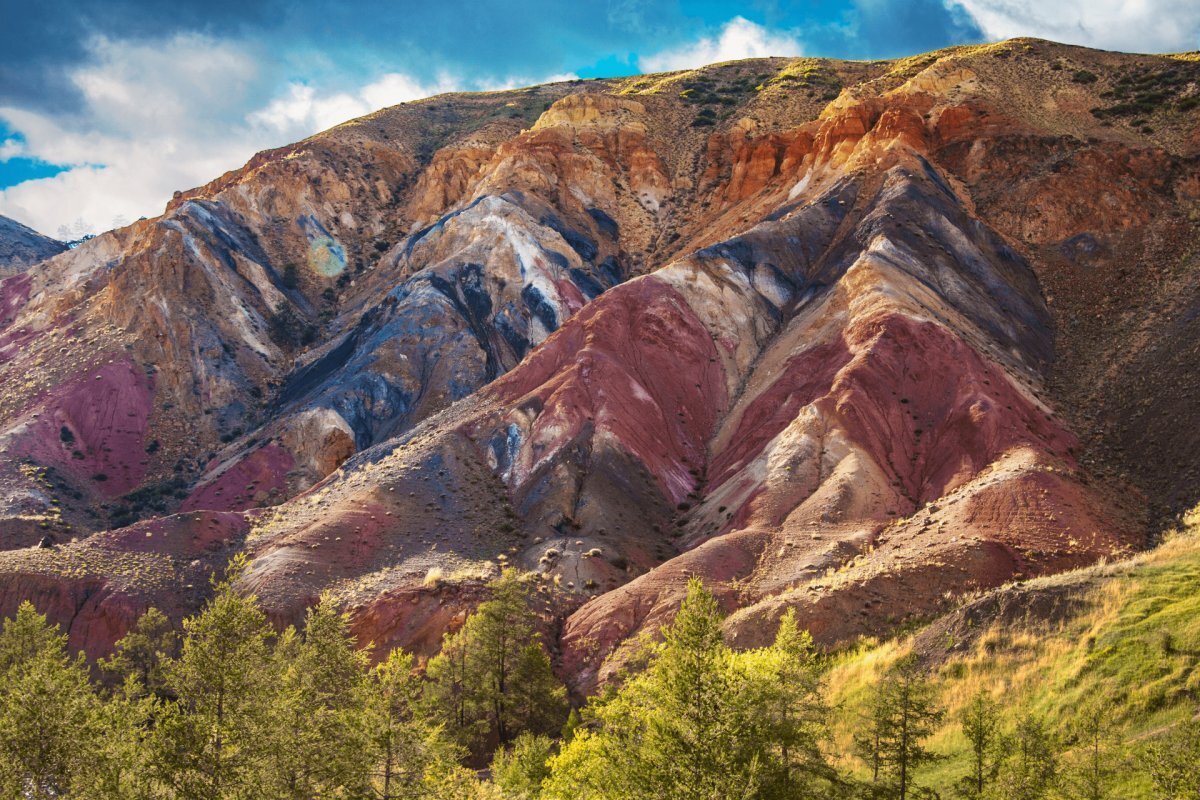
(1133, 648)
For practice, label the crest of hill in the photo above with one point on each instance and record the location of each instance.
(21, 247)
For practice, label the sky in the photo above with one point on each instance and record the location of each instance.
(106, 108)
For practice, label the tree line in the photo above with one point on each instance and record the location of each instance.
(228, 709)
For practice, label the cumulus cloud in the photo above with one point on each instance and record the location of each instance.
(153, 119)
(163, 116)
(1154, 26)
(738, 38)
(301, 109)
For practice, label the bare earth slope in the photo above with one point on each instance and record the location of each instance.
(854, 338)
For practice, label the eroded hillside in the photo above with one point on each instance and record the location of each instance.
(853, 338)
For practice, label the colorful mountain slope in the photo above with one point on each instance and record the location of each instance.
(843, 337)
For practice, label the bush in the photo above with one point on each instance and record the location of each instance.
(520, 769)
(288, 330)
(1083, 76)
(291, 279)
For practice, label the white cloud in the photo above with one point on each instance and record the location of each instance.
(517, 82)
(166, 116)
(302, 111)
(395, 88)
(1146, 26)
(738, 38)
(11, 148)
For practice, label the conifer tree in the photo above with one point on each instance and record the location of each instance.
(1096, 754)
(1029, 769)
(318, 744)
(902, 714)
(408, 751)
(981, 727)
(48, 711)
(793, 716)
(141, 653)
(493, 678)
(213, 740)
(571, 725)
(27, 636)
(520, 769)
(1170, 761)
(702, 722)
(868, 737)
(454, 693)
(697, 739)
(122, 763)
(677, 730)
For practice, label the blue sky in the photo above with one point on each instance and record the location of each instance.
(108, 107)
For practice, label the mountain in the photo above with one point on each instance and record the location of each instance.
(854, 338)
(22, 247)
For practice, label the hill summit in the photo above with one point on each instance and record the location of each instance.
(22, 247)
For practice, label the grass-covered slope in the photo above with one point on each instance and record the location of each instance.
(1125, 636)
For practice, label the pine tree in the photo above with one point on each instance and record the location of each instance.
(213, 740)
(1171, 762)
(901, 715)
(408, 752)
(537, 701)
(1029, 770)
(48, 711)
(868, 737)
(793, 715)
(702, 722)
(571, 725)
(318, 745)
(493, 679)
(699, 741)
(981, 727)
(141, 652)
(1096, 753)
(122, 766)
(454, 692)
(460, 783)
(26, 637)
(520, 769)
